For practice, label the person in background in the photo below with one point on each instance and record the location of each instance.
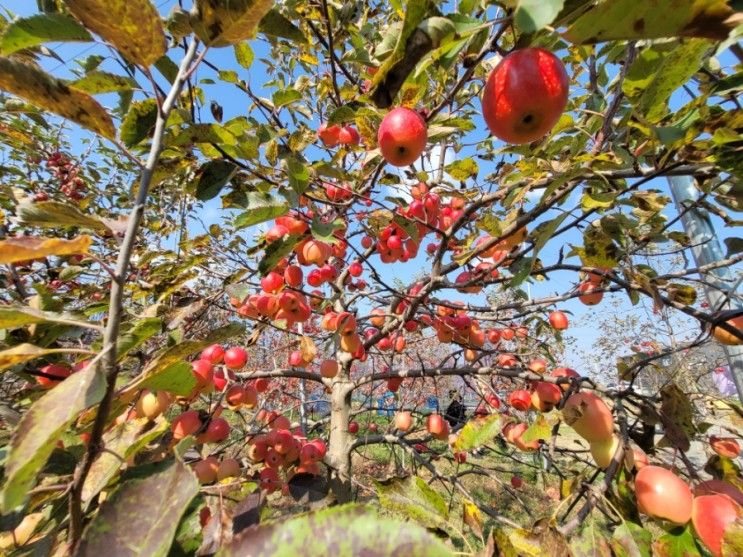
(455, 412)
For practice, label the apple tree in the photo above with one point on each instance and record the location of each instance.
(247, 244)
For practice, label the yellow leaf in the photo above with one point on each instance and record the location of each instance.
(132, 26)
(14, 250)
(308, 349)
(49, 93)
(472, 517)
(22, 353)
(226, 22)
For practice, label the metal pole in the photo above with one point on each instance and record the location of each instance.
(706, 249)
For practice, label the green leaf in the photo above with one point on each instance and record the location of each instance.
(477, 433)
(413, 498)
(657, 73)
(212, 177)
(276, 250)
(12, 317)
(260, 208)
(629, 19)
(282, 97)
(341, 115)
(176, 378)
(677, 542)
(540, 429)
(151, 506)
(324, 231)
(36, 435)
(52, 214)
(54, 95)
(521, 269)
(139, 333)
(631, 540)
(138, 122)
(97, 82)
(122, 442)
(276, 25)
(32, 31)
(462, 169)
(133, 27)
(299, 175)
(411, 45)
(227, 22)
(347, 529)
(167, 68)
(591, 542)
(544, 232)
(244, 54)
(533, 15)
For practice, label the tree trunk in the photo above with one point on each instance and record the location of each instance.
(339, 454)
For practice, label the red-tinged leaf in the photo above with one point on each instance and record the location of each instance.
(142, 516)
(343, 530)
(631, 540)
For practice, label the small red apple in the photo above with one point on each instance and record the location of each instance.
(235, 357)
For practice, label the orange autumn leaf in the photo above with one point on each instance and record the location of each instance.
(14, 250)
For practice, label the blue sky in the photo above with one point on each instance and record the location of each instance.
(235, 103)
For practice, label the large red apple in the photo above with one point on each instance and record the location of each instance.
(558, 320)
(711, 515)
(525, 95)
(402, 136)
(662, 494)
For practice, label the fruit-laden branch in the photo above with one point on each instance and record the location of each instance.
(107, 363)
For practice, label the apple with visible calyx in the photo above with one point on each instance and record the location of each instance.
(525, 95)
(402, 136)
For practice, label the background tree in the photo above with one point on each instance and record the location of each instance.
(408, 197)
